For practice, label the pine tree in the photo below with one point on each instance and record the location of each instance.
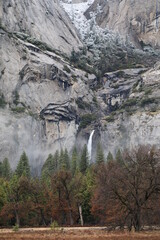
(84, 160)
(23, 167)
(0, 169)
(119, 157)
(109, 157)
(49, 166)
(61, 159)
(6, 169)
(56, 159)
(74, 160)
(66, 160)
(99, 154)
(74, 56)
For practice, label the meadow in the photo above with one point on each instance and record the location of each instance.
(76, 234)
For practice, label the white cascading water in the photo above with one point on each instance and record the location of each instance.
(89, 146)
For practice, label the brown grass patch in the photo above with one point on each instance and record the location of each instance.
(78, 235)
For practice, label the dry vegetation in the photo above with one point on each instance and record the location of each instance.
(77, 235)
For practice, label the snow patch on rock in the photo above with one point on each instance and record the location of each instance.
(76, 13)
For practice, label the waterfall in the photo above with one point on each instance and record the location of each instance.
(89, 146)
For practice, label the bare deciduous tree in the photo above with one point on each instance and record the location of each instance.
(125, 191)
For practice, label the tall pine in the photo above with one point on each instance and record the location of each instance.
(56, 159)
(119, 157)
(109, 157)
(83, 165)
(49, 166)
(99, 154)
(66, 160)
(61, 159)
(23, 167)
(6, 169)
(0, 169)
(74, 160)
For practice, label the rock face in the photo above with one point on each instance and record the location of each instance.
(38, 90)
(46, 103)
(40, 100)
(22, 132)
(131, 100)
(130, 18)
(130, 131)
(43, 20)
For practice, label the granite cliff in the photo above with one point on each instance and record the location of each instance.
(48, 102)
(136, 20)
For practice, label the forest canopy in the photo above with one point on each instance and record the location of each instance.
(114, 191)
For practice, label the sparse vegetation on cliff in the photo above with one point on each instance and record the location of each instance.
(2, 101)
(86, 120)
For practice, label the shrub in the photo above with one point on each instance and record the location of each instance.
(140, 89)
(18, 109)
(154, 109)
(94, 99)
(74, 78)
(82, 104)
(54, 225)
(16, 98)
(135, 87)
(86, 75)
(115, 86)
(16, 228)
(120, 74)
(147, 91)
(109, 118)
(41, 45)
(24, 57)
(87, 119)
(2, 101)
(74, 56)
(32, 114)
(66, 68)
(147, 101)
(1, 26)
(82, 64)
(129, 103)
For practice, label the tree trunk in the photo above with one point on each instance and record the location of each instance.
(42, 217)
(80, 214)
(137, 221)
(71, 218)
(70, 211)
(17, 218)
